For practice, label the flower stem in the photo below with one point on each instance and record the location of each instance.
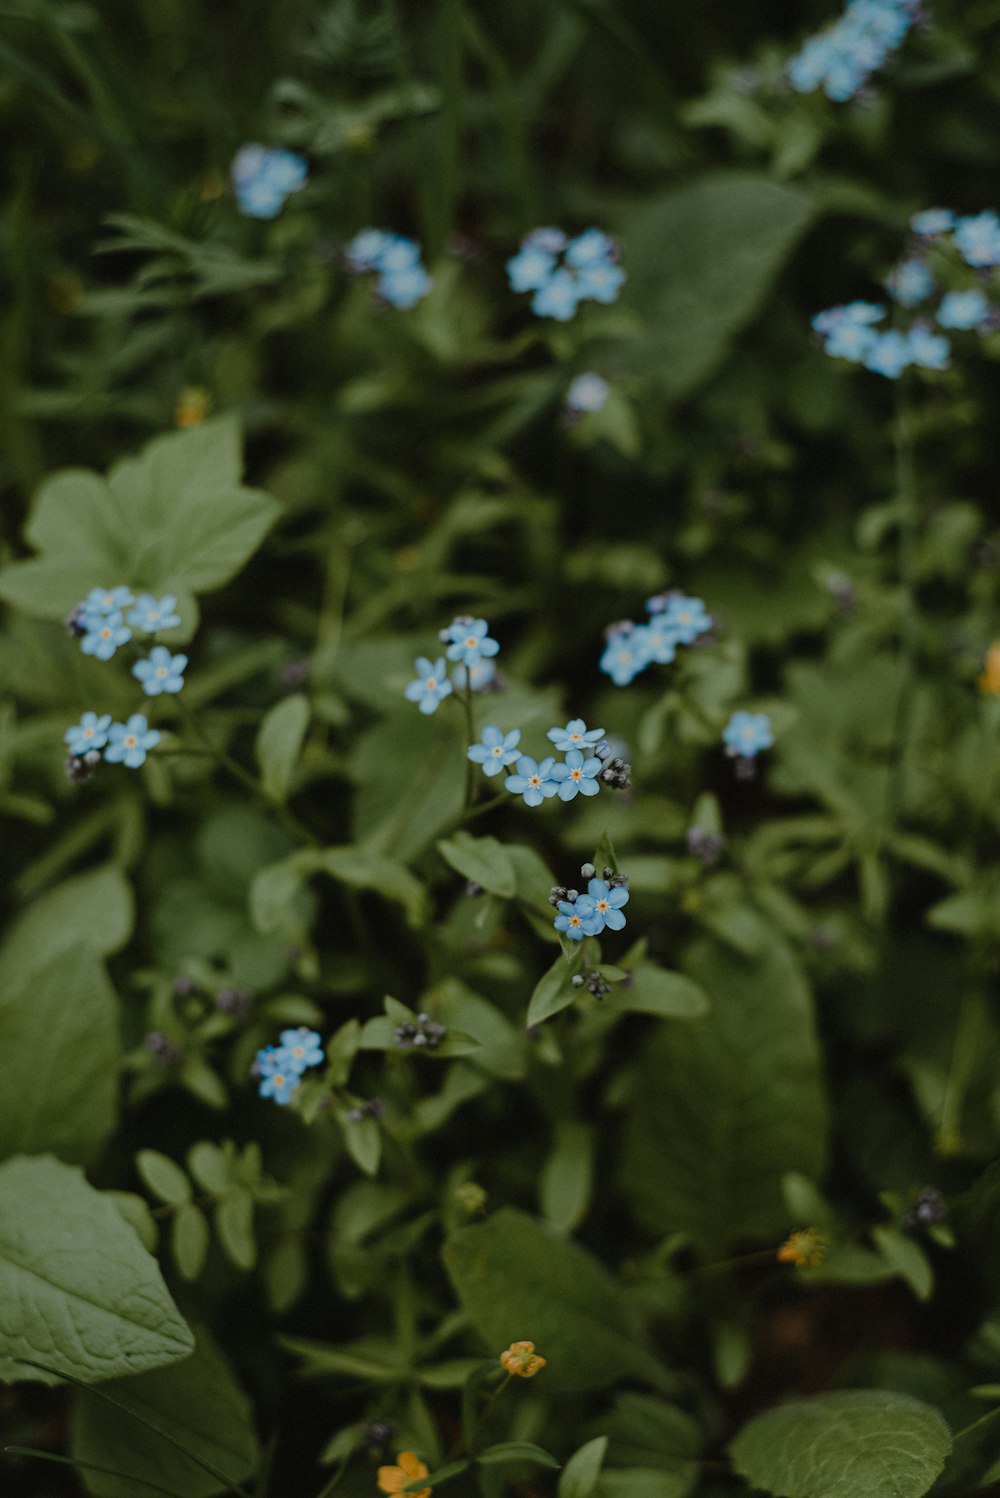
(470, 768)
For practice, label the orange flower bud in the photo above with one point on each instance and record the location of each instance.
(522, 1359)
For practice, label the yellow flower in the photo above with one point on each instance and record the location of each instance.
(522, 1359)
(990, 679)
(395, 1479)
(193, 405)
(805, 1249)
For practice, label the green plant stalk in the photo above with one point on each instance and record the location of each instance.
(906, 498)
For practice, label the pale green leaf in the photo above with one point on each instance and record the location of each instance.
(189, 1240)
(483, 860)
(579, 1476)
(279, 744)
(164, 1178)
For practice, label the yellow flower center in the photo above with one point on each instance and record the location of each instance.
(471, 641)
(161, 671)
(497, 750)
(431, 683)
(88, 733)
(105, 633)
(603, 905)
(576, 774)
(576, 737)
(574, 920)
(130, 741)
(279, 1080)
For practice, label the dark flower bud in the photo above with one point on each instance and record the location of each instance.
(182, 987)
(706, 846)
(375, 1108)
(746, 769)
(587, 871)
(597, 985)
(294, 674)
(572, 896)
(928, 1210)
(607, 873)
(76, 621)
(77, 769)
(355, 1115)
(472, 889)
(162, 1049)
(233, 1001)
(379, 1432)
(618, 881)
(578, 980)
(560, 892)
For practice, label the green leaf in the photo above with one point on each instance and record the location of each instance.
(516, 1451)
(410, 774)
(726, 1104)
(59, 1036)
(654, 990)
(234, 1225)
(211, 1166)
(701, 259)
(579, 1476)
(79, 1291)
(443, 1474)
(482, 859)
(361, 869)
(173, 520)
(94, 910)
(164, 1178)
(197, 1402)
(553, 992)
(279, 744)
(644, 1482)
(363, 1142)
(518, 1278)
(907, 1258)
(567, 1177)
(866, 1443)
(189, 1240)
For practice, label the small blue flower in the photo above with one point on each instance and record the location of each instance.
(608, 901)
(589, 248)
(431, 686)
(104, 635)
(559, 297)
(588, 392)
(601, 282)
(963, 310)
(534, 782)
(404, 288)
(910, 283)
(469, 641)
(162, 672)
(480, 676)
(364, 252)
(153, 614)
(100, 602)
(928, 349)
(578, 776)
(889, 355)
(746, 734)
(577, 918)
(977, 239)
(576, 735)
(856, 313)
(843, 57)
(398, 253)
(932, 222)
(662, 639)
(263, 178)
(686, 617)
(547, 238)
(270, 1058)
(530, 268)
(90, 733)
(496, 751)
(850, 340)
(302, 1048)
(626, 654)
(280, 1084)
(129, 742)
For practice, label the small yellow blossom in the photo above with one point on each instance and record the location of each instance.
(990, 679)
(409, 1468)
(522, 1359)
(193, 405)
(806, 1249)
(470, 1197)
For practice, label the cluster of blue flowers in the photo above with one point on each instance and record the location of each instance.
(402, 279)
(849, 332)
(843, 58)
(588, 270)
(280, 1068)
(674, 620)
(585, 765)
(589, 914)
(263, 177)
(102, 626)
(469, 643)
(975, 236)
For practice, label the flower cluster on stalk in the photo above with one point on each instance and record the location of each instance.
(590, 913)
(674, 619)
(263, 177)
(280, 1068)
(744, 736)
(562, 272)
(402, 279)
(841, 59)
(470, 645)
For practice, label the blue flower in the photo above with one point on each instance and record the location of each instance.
(558, 297)
(578, 776)
(843, 57)
(977, 239)
(608, 901)
(576, 735)
(530, 268)
(480, 676)
(963, 310)
(302, 1048)
(910, 283)
(365, 250)
(687, 618)
(152, 614)
(662, 639)
(279, 1078)
(932, 221)
(162, 672)
(854, 313)
(534, 782)
(263, 178)
(496, 751)
(547, 238)
(469, 641)
(104, 635)
(601, 282)
(404, 288)
(626, 654)
(431, 686)
(577, 918)
(852, 341)
(589, 248)
(889, 355)
(130, 741)
(928, 349)
(588, 392)
(398, 254)
(746, 734)
(100, 602)
(90, 733)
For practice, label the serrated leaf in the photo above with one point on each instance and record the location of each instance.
(164, 1178)
(79, 1291)
(579, 1476)
(483, 860)
(865, 1443)
(728, 1103)
(517, 1278)
(279, 744)
(197, 1402)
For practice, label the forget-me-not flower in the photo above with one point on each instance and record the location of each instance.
(889, 355)
(403, 280)
(576, 735)
(662, 639)
(533, 782)
(963, 310)
(404, 288)
(431, 686)
(746, 734)
(100, 602)
(279, 1079)
(129, 742)
(588, 392)
(577, 776)
(90, 733)
(263, 178)
(162, 672)
(928, 349)
(626, 654)
(977, 239)
(608, 901)
(686, 617)
(302, 1048)
(910, 283)
(563, 273)
(470, 641)
(153, 614)
(496, 751)
(931, 222)
(592, 247)
(859, 313)
(530, 268)
(843, 57)
(601, 282)
(558, 297)
(577, 918)
(104, 634)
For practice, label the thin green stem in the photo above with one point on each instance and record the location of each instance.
(485, 806)
(906, 500)
(470, 733)
(968, 1429)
